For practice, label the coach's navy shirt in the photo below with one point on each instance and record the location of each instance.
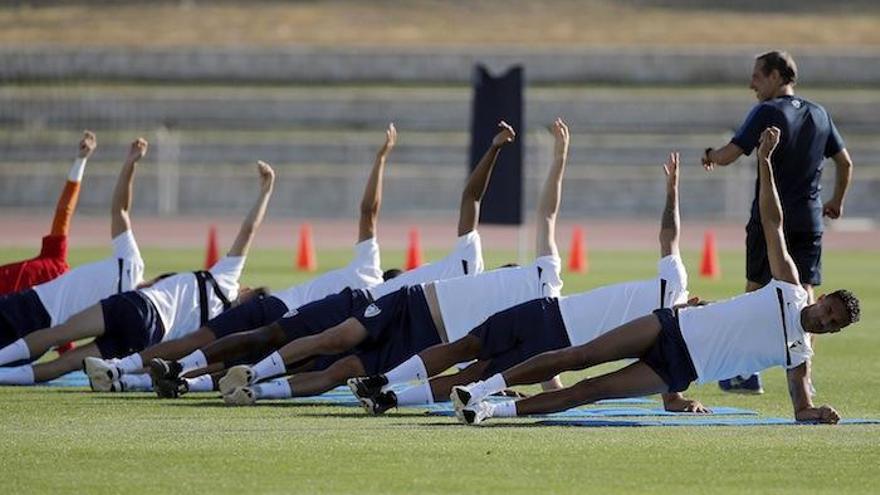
(808, 137)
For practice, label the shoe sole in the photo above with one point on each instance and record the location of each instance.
(354, 384)
(236, 377)
(743, 391)
(232, 399)
(100, 377)
(158, 370)
(460, 397)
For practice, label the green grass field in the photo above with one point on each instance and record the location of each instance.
(69, 440)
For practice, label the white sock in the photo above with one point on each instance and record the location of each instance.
(494, 383)
(506, 409)
(411, 369)
(130, 363)
(193, 361)
(17, 375)
(201, 383)
(137, 383)
(273, 389)
(418, 395)
(77, 170)
(273, 365)
(15, 351)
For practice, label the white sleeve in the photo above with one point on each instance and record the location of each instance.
(125, 246)
(226, 272)
(366, 255)
(673, 281)
(550, 268)
(469, 249)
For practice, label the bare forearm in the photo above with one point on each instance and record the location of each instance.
(552, 193)
(372, 200)
(798, 387)
(844, 167)
(479, 179)
(670, 223)
(768, 199)
(250, 224)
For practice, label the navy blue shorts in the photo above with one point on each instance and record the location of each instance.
(516, 334)
(669, 356)
(805, 249)
(399, 326)
(131, 324)
(317, 316)
(20, 314)
(255, 313)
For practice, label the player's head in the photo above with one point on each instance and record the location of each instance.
(389, 274)
(246, 294)
(773, 71)
(831, 312)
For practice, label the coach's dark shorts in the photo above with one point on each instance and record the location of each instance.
(669, 356)
(514, 335)
(317, 316)
(20, 314)
(255, 313)
(805, 249)
(399, 326)
(131, 324)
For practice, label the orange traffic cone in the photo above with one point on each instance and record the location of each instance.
(577, 262)
(710, 268)
(212, 251)
(306, 260)
(414, 253)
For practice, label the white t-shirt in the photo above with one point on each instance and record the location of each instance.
(465, 259)
(747, 333)
(176, 298)
(86, 285)
(590, 314)
(363, 272)
(465, 302)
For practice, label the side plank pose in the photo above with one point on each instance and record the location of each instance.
(129, 321)
(809, 136)
(401, 324)
(52, 260)
(741, 335)
(364, 271)
(514, 335)
(60, 301)
(309, 322)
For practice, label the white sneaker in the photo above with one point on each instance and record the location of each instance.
(476, 414)
(101, 373)
(241, 396)
(237, 376)
(462, 397)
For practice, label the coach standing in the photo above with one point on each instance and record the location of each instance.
(808, 137)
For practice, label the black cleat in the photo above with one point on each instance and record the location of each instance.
(379, 403)
(170, 388)
(161, 369)
(367, 387)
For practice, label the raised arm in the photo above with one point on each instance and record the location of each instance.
(671, 220)
(844, 165)
(469, 213)
(120, 220)
(548, 205)
(372, 200)
(782, 267)
(255, 217)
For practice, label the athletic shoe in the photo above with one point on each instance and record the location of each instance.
(367, 386)
(170, 388)
(476, 414)
(740, 385)
(236, 377)
(161, 369)
(241, 396)
(461, 397)
(101, 373)
(117, 386)
(379, 403)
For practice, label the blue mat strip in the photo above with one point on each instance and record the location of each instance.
(622, 412)
(704, 421)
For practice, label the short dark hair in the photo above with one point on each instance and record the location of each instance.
(389, 274)
(850, 302)
(780, 61)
